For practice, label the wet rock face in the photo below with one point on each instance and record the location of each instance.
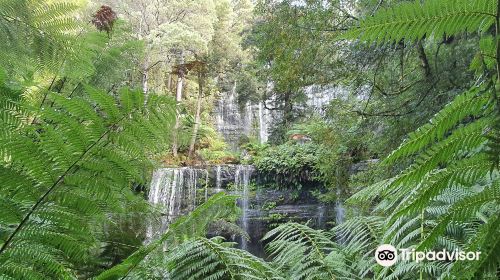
(236, 122)
(268, 208)
(233, 122)
(179, 190)
(224, 175)
(363, 166)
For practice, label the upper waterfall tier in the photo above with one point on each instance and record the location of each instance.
(234, 121)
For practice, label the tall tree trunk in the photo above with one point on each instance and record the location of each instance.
(178, 98)
(197, 118)
(287, 114)
(169, 82)
(145, 85)
(145, 88)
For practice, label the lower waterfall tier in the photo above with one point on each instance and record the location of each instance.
(177, 191)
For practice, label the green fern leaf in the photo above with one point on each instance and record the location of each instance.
(415, 20)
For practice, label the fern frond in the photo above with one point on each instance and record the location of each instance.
(359, 237)
(487, 242)
(48, 29)
(464, 172)
(471, 103)
(463, 210)
(416, 20)
(184, 228)
(67, 166)
(302, 252)
(462, 142)
(204, 258)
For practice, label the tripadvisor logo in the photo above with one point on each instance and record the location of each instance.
(387, 255)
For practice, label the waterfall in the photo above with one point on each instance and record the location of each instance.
(234, 121)
(191, 187)
(339, 208)
(339, 212)
(247, 124)
(228, 117)
(218, 178)
(263, 134)
(177, 191)
(321, 216)
(174, 190)
(220, 115)
(241, 181)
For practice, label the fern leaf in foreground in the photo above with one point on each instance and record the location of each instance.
(415, 20)
(472, 103)
(204, 258)
(64, 172)
(195, 224)
(304, 253)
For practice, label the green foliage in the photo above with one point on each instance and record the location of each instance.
(204, 258)
(416, 20)
(448, 196)
(65, 168)
(48, 28)
(195, 224)
(214, 149)
(288, 165)
(304, 253)
(470, 104)
(74, 150)
(359, 237)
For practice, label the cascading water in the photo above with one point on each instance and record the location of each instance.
(248, 121)
(339, 209)
(234, 121)
(242, 181)
(263, 121)
(228, 117)
(218, 179)
(339, 215)
(174, 190)
(321, 216)
(191, 188)
(339, 212)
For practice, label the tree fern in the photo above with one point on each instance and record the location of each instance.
(358, 239)
(212, 259)
(415, 20)
(64, 169)
(49, 27)
(489, 245)
(448, 196)
(471, 103)
(302, 252)
(195, 224)
(465, 209)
